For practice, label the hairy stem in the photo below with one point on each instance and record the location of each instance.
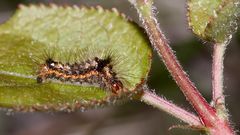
(160, 103)
(217, 78)
(214, 123)
(159, 42)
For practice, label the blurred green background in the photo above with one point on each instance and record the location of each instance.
(134, 117)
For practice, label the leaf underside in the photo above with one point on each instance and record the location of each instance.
(69, 35)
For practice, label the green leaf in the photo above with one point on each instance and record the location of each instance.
(214, 20)
(68, 35)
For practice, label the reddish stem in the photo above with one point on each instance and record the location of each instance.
(167, 106)
(221, 127)
(217, 76)
(205, 111)
(214, 124)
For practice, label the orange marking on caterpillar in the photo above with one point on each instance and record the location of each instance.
(94, 71)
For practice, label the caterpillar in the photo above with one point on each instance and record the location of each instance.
(95, 71)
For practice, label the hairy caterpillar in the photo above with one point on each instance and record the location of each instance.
(91, 72)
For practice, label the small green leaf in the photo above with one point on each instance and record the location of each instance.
(70, 35)
(214, 20)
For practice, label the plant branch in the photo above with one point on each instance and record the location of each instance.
(161, 103)
(217, 78)
(159, 42)
(214, 123)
